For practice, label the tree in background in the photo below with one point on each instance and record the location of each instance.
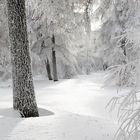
(48, 68)
(55, 77)
(23, 88)
(87, 14)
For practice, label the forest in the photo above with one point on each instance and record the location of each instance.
(69, 70)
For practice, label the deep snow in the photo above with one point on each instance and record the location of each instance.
(69, 110)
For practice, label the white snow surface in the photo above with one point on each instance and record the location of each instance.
(71, 109)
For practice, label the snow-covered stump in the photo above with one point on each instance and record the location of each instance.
(23, 88)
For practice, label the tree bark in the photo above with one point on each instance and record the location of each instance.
(87, 17)
(88, 31)
(48, 68)
(23, 88)
(123, 43)
(55, 76)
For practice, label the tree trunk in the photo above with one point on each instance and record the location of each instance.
(88, 31)
(55, 77)
(123, 43)
(48, 68)
(87, 17)
(23, 88)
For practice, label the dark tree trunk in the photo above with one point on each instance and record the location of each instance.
(87, 20)
(23, 88)
(55, 77)
(87, 17)
(105, 66)
(123, 43)
(48, 69)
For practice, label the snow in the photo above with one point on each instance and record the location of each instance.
(71, 109)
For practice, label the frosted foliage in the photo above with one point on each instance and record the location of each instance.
(133, 28)
(5, 67)
(89, 36)
(124, 61)
(68, 25)
(65, 20)
(116, 44)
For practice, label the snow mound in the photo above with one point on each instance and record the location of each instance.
(10, 113)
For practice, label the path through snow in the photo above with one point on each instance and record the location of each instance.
(76, 111)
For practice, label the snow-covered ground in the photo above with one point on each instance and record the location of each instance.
(69, 110)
